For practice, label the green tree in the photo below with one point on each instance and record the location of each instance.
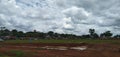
(20, 34)
(1, 30)
(91, 31)
(6, 32)
(93, 34)
(51, 33)
(117, 36)
(106, 34)
(14, 32)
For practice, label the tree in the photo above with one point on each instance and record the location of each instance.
(106, 34)
(42, 35)
(20, 34)
(85, 36)
(51, 33)
(91, 31)
(96, 35)
(93, 34)
(5, 32)
(14, 32)
(29, 34)
(117, 36)
(1, 30)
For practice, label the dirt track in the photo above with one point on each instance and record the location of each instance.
(52, 49)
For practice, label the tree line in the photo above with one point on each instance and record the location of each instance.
(15, 34)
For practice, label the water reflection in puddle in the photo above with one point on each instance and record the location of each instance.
(80, 48)
(65, 48)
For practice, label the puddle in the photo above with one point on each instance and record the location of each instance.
(65, 48)
(55, 48)
(80, 48)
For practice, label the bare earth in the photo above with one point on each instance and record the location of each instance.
(63, 50)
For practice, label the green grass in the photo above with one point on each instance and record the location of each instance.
(2, 55)
(64, 41)
(13, 53)
(17, 53)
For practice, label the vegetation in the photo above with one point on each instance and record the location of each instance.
(96, 41)
(14, 34)
(16, 53)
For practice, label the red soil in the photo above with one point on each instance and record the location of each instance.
(93, 50)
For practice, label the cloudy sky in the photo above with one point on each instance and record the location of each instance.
(62, 16)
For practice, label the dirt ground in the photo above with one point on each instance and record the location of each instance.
(63, 50)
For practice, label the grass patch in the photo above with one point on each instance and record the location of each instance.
(64, 41)
(2, 55)
(17, 53)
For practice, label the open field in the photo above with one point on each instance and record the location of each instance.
(60, 48)
(65, 41)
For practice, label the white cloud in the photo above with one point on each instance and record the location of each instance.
(63, 16)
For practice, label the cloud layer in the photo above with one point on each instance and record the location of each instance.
(62, 16)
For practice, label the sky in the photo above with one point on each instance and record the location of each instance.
(61, 16)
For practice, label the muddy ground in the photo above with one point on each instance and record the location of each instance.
(62, 50)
